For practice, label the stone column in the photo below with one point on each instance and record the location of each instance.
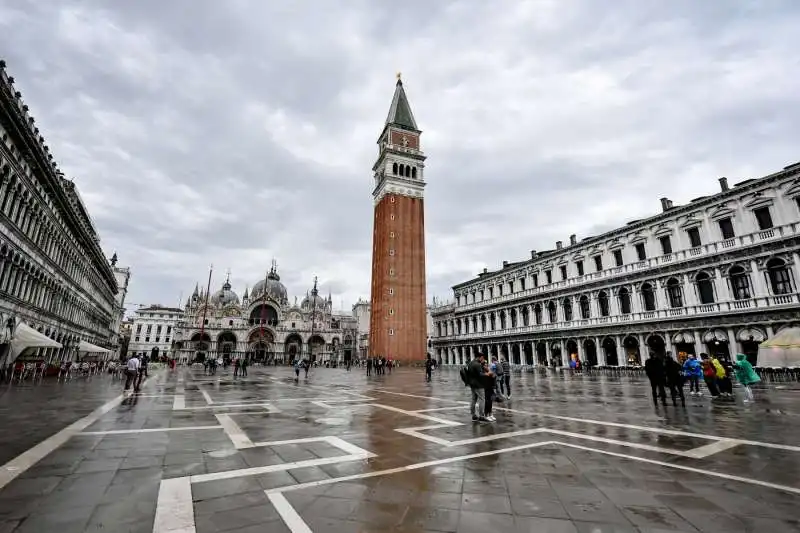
(581, 357)
(759, 283)
(733, 344)
(698, 342)
(721, 287)
(601, 353)
(522, 354)
(564, 354)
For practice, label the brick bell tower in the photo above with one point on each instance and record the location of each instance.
(398, 326)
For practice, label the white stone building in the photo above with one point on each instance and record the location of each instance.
(264, 326)
(152, 331)
(716, 275)
(57, 289)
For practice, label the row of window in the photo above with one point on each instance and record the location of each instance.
(25, 211)
(778, 276)
(147, 339)
(762, 215)
(158, 329)
(404, 170)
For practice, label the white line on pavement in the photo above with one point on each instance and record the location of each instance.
(238, 437)
(148, 430)
(174, 508)
(287, 512)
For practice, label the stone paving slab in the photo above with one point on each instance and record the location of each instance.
(567, 453)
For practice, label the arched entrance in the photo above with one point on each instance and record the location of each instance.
(590, 352)
(572, 350)
(541, 354)
(260, 346)
(226, 346)
(610, 351)
(348, 348)
(528, 349)
(316, 348)
(264, 314)
(656, 344)
(684, 346)
(555, 354)
(503, 352)
(293, 347)
(515, 355)
(750, 338)
(716, 342)
(630, 347)
(154, 354)
(200, 345)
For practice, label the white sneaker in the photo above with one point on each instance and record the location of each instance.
(490, 418)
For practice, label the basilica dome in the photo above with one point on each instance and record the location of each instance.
(273, 287)
(315, 300)
(225, 296)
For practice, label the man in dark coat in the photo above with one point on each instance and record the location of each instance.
(654, 368)
(674, 373)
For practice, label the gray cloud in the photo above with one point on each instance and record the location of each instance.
(233, 132)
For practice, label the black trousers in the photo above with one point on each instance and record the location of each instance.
(676, 391)
(658, 390)
(488, 392)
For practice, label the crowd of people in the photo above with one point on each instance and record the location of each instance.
(665, 372)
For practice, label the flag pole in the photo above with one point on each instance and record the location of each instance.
(205, 307)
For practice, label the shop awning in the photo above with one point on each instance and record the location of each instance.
(26, 337)
(88, 347)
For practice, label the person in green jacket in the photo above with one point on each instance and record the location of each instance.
(745, 375)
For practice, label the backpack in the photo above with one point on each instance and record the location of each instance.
(464, 373)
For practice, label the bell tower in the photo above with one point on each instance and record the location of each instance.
(398, 326)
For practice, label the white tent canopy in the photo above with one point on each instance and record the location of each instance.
(88, 347)
(782, 350)
(26, 337)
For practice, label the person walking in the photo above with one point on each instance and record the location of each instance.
(243, 366)
(369, 366)
(674, 376)
(475, 378)
(489, 387)
(654, 368)
(296, 366)
(131, 371)
(428, 368)
(497, 368)
(723, 379)
(506, 376)
(745, 375)
(710, 377)
(693, 372)
(236, 368)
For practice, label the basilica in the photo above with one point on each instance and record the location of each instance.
(264, 326)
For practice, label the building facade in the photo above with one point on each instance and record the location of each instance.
(264, 326)
(397, 320)
(123, 277)
(716, 275)
(152, 331)
(55, 282)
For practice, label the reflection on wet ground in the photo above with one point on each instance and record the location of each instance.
(342, 452)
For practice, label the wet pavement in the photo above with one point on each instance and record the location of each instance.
(344, 453)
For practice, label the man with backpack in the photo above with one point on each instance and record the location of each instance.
(473, 376)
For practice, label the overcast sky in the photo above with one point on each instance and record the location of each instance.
(231, 132)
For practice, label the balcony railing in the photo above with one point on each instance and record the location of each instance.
(740, 241)
(644, 316)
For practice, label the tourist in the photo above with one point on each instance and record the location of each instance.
(243, 366)
(710, 377)
(236, 367)
(131, 371)
(296, 366)
(369, 366)
(428, 367)
(723, 379)
(693, 372)
(506, 377)
(499, 373)
(475, 375)
(745, 375)
(489, 385)
(674, 374)
(656, 373)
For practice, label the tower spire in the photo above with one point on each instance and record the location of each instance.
(400, 110)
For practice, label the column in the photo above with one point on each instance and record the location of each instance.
(644, 349)
(547, 351)
(622, 353)
(564, 354)
(581, 356)
(733, 344)
(668, 341)
(759, 283)
(721, 287)
(698, 343)
(601, 353)
(522, 353)
(795, 269)
(689, 292)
